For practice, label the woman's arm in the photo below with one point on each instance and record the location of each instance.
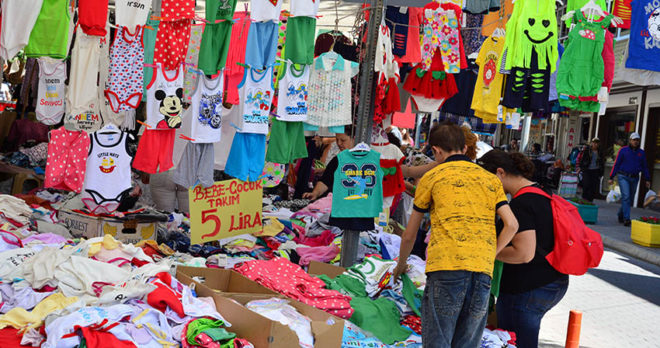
(521, 250)
(417, 171)
(319, 190)
(510, 227)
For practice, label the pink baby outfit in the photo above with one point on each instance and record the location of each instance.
(126, 70)
(67, 159)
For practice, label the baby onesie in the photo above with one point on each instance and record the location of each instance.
(127, 60)
(164, 99)
(92, 15)
(51, 93)
(174, 33)
(67, 159)
(82, 94)
(131, 13)
(17, 14)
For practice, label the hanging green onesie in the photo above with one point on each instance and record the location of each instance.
(50, 34)
(216, 36)
(581, 69)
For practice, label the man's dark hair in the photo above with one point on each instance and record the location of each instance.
(448, 137)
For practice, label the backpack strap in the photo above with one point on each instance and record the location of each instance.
(532, 189)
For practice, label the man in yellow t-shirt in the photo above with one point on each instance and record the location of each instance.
(463, 200)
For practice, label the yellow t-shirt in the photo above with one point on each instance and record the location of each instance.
(462, 199)
(488, 89)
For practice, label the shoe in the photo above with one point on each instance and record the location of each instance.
(620, 218)
(626, 223)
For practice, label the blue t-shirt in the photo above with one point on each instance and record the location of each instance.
(357, 190)
(644, 43)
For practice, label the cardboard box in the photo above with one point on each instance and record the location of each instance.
(261, 331)
(318, 268)
(224, 280)
(126, 231)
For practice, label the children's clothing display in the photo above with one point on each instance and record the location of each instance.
(216, 36)
(265, 10)
(287, 142)
(256, 92)
(329, 102)
(154, 152)
(50, 35)
(234, 72)
(126, 70)
(195, 166)
(488, 89)
(191, 74)
(131, 13)
(67, 158)
(17, 14)
(149, 41)
(247, 156)
(92, 16)
(441, 36)
(107, 114)
(261, 46)
(207, 110)
(165, 98)
(293, 93)
(172, 43)
(82, 94)
(623, 10)
(108, 174)
(644, 42)
(358, 185)
(300, 32)
(581, 70)
(52, 91)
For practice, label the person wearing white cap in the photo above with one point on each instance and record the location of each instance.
(630, 161)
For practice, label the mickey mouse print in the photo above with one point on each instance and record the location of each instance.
(165, 99)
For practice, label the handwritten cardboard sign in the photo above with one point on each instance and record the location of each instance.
(228, 208)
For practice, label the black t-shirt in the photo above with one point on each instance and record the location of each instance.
(328, 177)
(533, 212)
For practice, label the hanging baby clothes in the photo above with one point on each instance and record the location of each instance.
(191, 73)
(149, 42)
(256, 93)
(108, 175)
(329, 102)
(217, 35)
(155, 150)
(429, 89)
(195, 166)
(82, 95)
(261, 47)
(644, 42)
(441, 35)
(488, 89)
(300, 32)
(623, 10)
(581, 70)
(247, 156)
(265, 10)
(67, 158)
(164, 99)
(92, 15)
(293, 93)
(413, 48)
(174, 33)
(107, 115)
(131, 13)
(50, 34)
(17, 14)
(207, 110)
(391, 159)
(387, 91)
(126, 74)
(52, 91)
(234, 72)
(358, 187)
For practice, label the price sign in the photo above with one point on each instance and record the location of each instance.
(228, 208)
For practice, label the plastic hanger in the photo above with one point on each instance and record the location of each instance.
(361, 147)
(591, 9)
(109, 128)
(498, 32)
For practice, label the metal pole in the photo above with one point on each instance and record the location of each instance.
(351, 239)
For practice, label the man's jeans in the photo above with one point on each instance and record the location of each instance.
(628, 188)
(522, 313)
(454, 309)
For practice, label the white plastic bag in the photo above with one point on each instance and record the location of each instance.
(615, 195)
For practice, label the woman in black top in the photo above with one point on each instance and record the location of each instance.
(529, 286)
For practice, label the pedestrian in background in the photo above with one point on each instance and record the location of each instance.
(592, 164)
(630, 161)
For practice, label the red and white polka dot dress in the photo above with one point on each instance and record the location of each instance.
(67, 159)
(174, 32)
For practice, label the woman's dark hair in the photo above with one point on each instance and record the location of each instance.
(348, 130)
(393, 139)
(512, 163)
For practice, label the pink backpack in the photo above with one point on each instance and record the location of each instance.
(577, 247)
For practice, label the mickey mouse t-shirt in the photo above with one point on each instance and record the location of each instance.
(165, 99)
(644, 43)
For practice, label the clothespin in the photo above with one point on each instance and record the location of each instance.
(148, 27)
(195, 71)
(181, 136)
(246, 7)
(243, 65)
(198, 18)
(151, 65)
(144, 124)
(156, 18)
(235, 126)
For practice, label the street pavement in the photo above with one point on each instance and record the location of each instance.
(620, 299)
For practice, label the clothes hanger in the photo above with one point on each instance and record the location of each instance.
(361, 147)
(591, 9)
(109, 128)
